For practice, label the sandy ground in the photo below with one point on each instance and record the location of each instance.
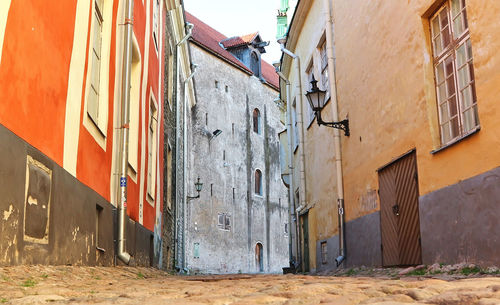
(127, 285)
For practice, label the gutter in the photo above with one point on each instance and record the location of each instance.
(336, 132)
(185, 156)
(291, 196)
(124, 127)
(300, 123)
(179, 202)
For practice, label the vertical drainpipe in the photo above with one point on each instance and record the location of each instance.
(179, 202)
(300, 122)
(185, 156)
(291, 207)
(336, 134)
(124, 127)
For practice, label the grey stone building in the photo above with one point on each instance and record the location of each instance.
(239, 223)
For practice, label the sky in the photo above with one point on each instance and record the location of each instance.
(240, 17)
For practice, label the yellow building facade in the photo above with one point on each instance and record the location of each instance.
(417, 81)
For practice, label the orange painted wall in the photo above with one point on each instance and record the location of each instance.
(133, 187)
(149, 213)
(34, 72)
(386, 87)
(94, 164)
(33, 90)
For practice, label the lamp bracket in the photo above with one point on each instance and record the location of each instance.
(343, 125)
(193, 197)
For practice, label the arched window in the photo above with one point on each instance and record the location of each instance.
(259, 257)
(258, 182)
(256, 121)
(254, 64)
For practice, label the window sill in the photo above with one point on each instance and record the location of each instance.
(150, 199)
(473, 132)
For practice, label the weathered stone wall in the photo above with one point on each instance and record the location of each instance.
(226, 166)
(49, 217)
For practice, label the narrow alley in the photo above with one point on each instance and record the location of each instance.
(129, 285)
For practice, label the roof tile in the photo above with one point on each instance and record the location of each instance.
(211, 39)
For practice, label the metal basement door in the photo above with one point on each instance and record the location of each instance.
(399, 219)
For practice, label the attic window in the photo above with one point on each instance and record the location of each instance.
(255, 64)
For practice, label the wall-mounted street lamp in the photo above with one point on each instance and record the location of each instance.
(316, 99)
(215, 134)
(198, 185)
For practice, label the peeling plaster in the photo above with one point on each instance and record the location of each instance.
(75, 232)
(6, 214)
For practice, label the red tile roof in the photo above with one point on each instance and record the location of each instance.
(270, 75)
(210, 39)
(239, 40)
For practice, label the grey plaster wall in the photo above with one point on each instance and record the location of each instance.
(229, 184)
(362, 245)
(460, 223)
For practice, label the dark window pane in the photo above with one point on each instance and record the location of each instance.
(454, 127)
(450, 85)
(453, 106)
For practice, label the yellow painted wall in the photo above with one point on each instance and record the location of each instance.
(321, 192)
(386, 87)
(385, 84)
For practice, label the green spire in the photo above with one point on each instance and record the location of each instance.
(282, 19)
(284, 6)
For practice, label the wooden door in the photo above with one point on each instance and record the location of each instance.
(399, 219)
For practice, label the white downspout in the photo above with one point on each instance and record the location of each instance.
(290, 159)
(300, 123)
(189, 27)
(127, 59)
(184, 145)
(336, 132)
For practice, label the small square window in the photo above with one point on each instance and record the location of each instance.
(196, 252)
(224, 221)
(324, 253)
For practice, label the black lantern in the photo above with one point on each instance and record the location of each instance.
(316, 98)
(198, 185)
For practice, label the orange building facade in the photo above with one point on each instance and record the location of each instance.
(416, 181)
(61, 93)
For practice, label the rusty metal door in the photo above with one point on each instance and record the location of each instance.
(399, 219)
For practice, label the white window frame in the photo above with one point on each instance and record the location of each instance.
(95, 119)
(457, 118)
(134, 103)
(152, 148)
(156, 22)
(323, 58)
(295, 126)
(309, 75)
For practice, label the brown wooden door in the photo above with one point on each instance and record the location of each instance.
(399, 219)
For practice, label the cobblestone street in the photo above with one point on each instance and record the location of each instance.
(127, 285)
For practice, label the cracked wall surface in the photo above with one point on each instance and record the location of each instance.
(226, 165)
